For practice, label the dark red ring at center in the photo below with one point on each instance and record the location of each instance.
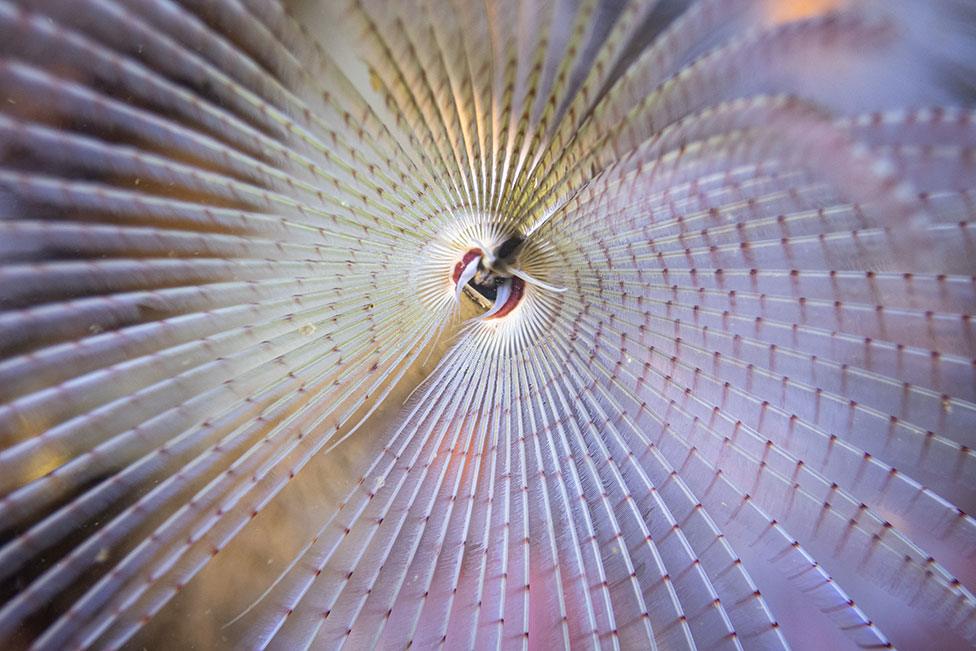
(518, 285)
(518, 290)
(459, 267)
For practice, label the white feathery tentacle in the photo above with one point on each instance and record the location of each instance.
(724, 395)
(466, 275)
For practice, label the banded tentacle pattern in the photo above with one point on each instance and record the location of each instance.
(590, 323)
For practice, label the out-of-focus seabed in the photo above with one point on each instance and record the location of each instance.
(704, 597)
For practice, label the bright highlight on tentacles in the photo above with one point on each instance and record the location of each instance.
(502, 324)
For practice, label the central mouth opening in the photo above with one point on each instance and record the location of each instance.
(497, 275)
(491, 276)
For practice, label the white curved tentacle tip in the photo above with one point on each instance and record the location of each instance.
(466, 275)
(501, 298)
(518, 273)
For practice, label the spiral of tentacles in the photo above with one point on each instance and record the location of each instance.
(504, 324)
